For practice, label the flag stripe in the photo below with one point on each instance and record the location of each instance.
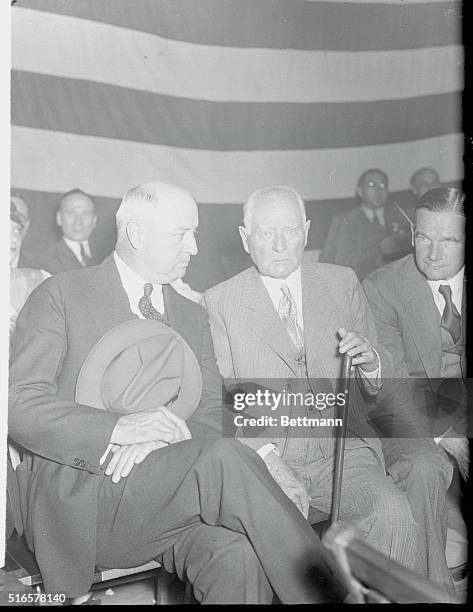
(142, 61)
(294, 24)
(95, 109)
(54, 161)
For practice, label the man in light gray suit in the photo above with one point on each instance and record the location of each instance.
(288, 321)
(418, 305)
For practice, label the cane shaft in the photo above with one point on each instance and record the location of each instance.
(340, 445)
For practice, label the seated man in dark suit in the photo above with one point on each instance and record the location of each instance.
(371, 234)
(77, 219)
(418, 303)
(173, 489)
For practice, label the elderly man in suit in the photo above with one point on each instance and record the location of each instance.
(77, 219)
(418, 305)
(371, 234)
(173, 489)
(287, 321)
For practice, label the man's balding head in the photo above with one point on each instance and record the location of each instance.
(155, 228)
(275, 230)
(423, 180)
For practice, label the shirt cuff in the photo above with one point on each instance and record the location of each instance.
(438, 438)
(373, 377)
(266, 449)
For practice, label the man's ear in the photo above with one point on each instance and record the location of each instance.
(94, 223)
(135, 235)
(58, 219)
(413, 232)
(244, 237)
(306, 231)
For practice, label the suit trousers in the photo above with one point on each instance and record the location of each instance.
(369, 499)
(424, 472)
(210, 510)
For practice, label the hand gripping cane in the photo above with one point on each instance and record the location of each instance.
(344, 385)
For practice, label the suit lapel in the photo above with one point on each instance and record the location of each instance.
(263, 319)
(423, 319)
(318, 311)
(180, 317)
(109, 305)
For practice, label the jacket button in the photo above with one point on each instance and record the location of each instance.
(76, 461)
(82, 463)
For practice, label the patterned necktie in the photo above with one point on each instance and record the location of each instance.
(451, 318)
(287, 310)
(146, 306)
(85, 258)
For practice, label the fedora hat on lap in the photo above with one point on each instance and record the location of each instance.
(139, 365)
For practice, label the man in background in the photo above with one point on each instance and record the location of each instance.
(373, 233)
(422, 180)
(77, 219)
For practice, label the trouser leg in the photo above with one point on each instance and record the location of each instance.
(370, 501)
(221, 484)
(424, 472)
(220, 564)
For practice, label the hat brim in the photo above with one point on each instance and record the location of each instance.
(89, 381)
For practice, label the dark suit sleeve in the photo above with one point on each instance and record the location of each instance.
(333, 246)
(39, 420)
(207, 419)
(397, 412)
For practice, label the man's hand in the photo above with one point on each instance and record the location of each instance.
(289, 482)
(359, 348)
(125, 457)
(458, 449)
(158, 425)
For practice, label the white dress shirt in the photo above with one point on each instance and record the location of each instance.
(75, 248)
(294, 283)
(456, 285)
(133, 285)
(371, 212)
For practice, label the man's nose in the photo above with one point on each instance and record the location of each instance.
(191, 244)
(279, 243)
(435, 251)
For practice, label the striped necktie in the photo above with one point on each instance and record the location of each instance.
(451, 318)
(287, 310)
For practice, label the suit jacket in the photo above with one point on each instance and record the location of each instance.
(60, 476)
(354, 241)
(408, 323)
(60, 258)
(251, 341)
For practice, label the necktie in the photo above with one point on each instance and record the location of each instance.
(376, 219)
(451, 318)
(85, 258)
(146, 306)
(287, 310)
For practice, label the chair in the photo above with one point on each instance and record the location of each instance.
(371, 577)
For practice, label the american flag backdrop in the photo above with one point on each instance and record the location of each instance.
(225, 96)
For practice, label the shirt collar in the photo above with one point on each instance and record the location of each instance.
(75, 246)
(456, 284)
(371, 212)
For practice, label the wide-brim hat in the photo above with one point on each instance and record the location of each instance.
(140, 365)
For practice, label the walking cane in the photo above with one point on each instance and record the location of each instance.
(340, 448)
